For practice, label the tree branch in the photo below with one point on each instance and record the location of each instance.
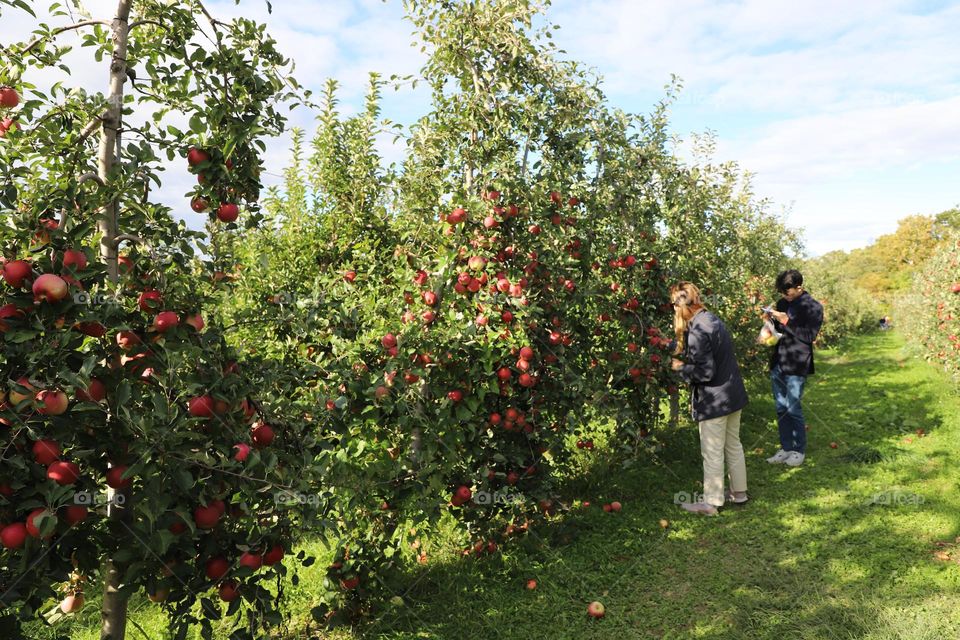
(137, 23)
(56, 32)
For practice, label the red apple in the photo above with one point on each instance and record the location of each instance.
(251, 560)
(197, 156)
(13, 535)
(32, 528)
(207, 517)
(229, 591)
(596, 610)
(956, 287)
(196, 321)
(6, 125)
(75, 514)
(455, 396)
(388, 341)
(349, 583)
(52, 402)
(8, 311)
(9, 98)
(127, 340)
(74, 259)
(273, 556)
(150, 300)
(201, 407)
(462, 494)
(50, 287)
(531, 584)
(261, 434)
(166, 320)
(216, 567)
(92, 329)
(16, 271)
(350, 275)
(115, 477)
(16, 397)
(243, 450)
(615, 506)
(227, 212)
(63, 473)
(199, 205)
(72, 603)
(45, 452)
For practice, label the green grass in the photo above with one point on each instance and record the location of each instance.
(815, 554)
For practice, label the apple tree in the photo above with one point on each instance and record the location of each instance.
(141, 451)
(929, 312)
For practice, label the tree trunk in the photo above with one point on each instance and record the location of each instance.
(108, 138)
(674, 407)
(113, 615)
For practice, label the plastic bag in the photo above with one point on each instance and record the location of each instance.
(769, 336)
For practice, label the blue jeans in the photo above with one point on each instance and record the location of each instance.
(787, 392)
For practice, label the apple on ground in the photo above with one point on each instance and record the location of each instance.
(596, 610)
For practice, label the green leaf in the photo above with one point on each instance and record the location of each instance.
(197, 124)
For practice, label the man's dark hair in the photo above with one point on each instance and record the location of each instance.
(789, 279)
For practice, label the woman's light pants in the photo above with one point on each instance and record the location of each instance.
(719, 441)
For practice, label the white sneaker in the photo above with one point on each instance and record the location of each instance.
(795, 459)
(778, 457)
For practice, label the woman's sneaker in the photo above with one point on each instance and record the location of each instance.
(732, 498)
(701, 508)
(779, 457)
(795, 459)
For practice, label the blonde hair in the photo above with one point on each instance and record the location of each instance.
(687, 303)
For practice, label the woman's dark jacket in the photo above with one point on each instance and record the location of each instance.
(711, 368)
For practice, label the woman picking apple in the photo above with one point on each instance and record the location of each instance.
(707, 362)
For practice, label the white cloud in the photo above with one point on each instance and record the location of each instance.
(812, 96)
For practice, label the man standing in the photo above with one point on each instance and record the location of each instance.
(798, 317)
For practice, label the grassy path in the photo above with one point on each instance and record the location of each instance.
(816, 553)
(844, 546)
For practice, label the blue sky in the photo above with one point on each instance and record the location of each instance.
(847, 113)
